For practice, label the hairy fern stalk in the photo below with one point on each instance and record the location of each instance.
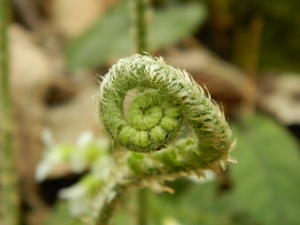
(151, 147)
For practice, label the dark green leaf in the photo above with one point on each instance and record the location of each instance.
(196, 204)
(267, 177)
(111, 35)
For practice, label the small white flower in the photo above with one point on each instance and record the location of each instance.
(77, 197)
(85, 138)
(76, 191)
(208, 175)
(170, 221)
(45, 166)
(88, 152)
(53, 156)
(103, 167)
(80, 194)
(78, 159)
(47, 138)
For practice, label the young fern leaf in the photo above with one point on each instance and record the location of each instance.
(154, 118)
(146, 133)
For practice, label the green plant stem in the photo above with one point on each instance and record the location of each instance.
(9, 204)
(110, 204)
(247, 51)
(141, 7)
(142, 206)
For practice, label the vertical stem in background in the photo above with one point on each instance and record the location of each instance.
(247, 53)
(9, 201)
(221, 21)
(140, 21)
(251, 63)
(142, 206)
(141, 24)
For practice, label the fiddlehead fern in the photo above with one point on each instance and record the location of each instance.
(169, 97)
(151, 122)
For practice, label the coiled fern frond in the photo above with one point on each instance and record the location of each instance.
(148, 134)
(169, 98)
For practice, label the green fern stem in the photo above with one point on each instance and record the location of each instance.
(109, 206)
(141, 25)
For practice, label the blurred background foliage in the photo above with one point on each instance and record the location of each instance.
(281, 22)
(228, 21)
(91, 48)
(261, 189)
(245, 52)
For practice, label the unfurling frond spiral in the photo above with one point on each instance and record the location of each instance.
(169, 98)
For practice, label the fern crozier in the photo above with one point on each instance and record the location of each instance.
(169, 98)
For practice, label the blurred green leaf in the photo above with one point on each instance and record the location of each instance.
(111, 35)
(191, 208)
(174, 23)
(267, 177)
(197, 204)
(60, 215)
